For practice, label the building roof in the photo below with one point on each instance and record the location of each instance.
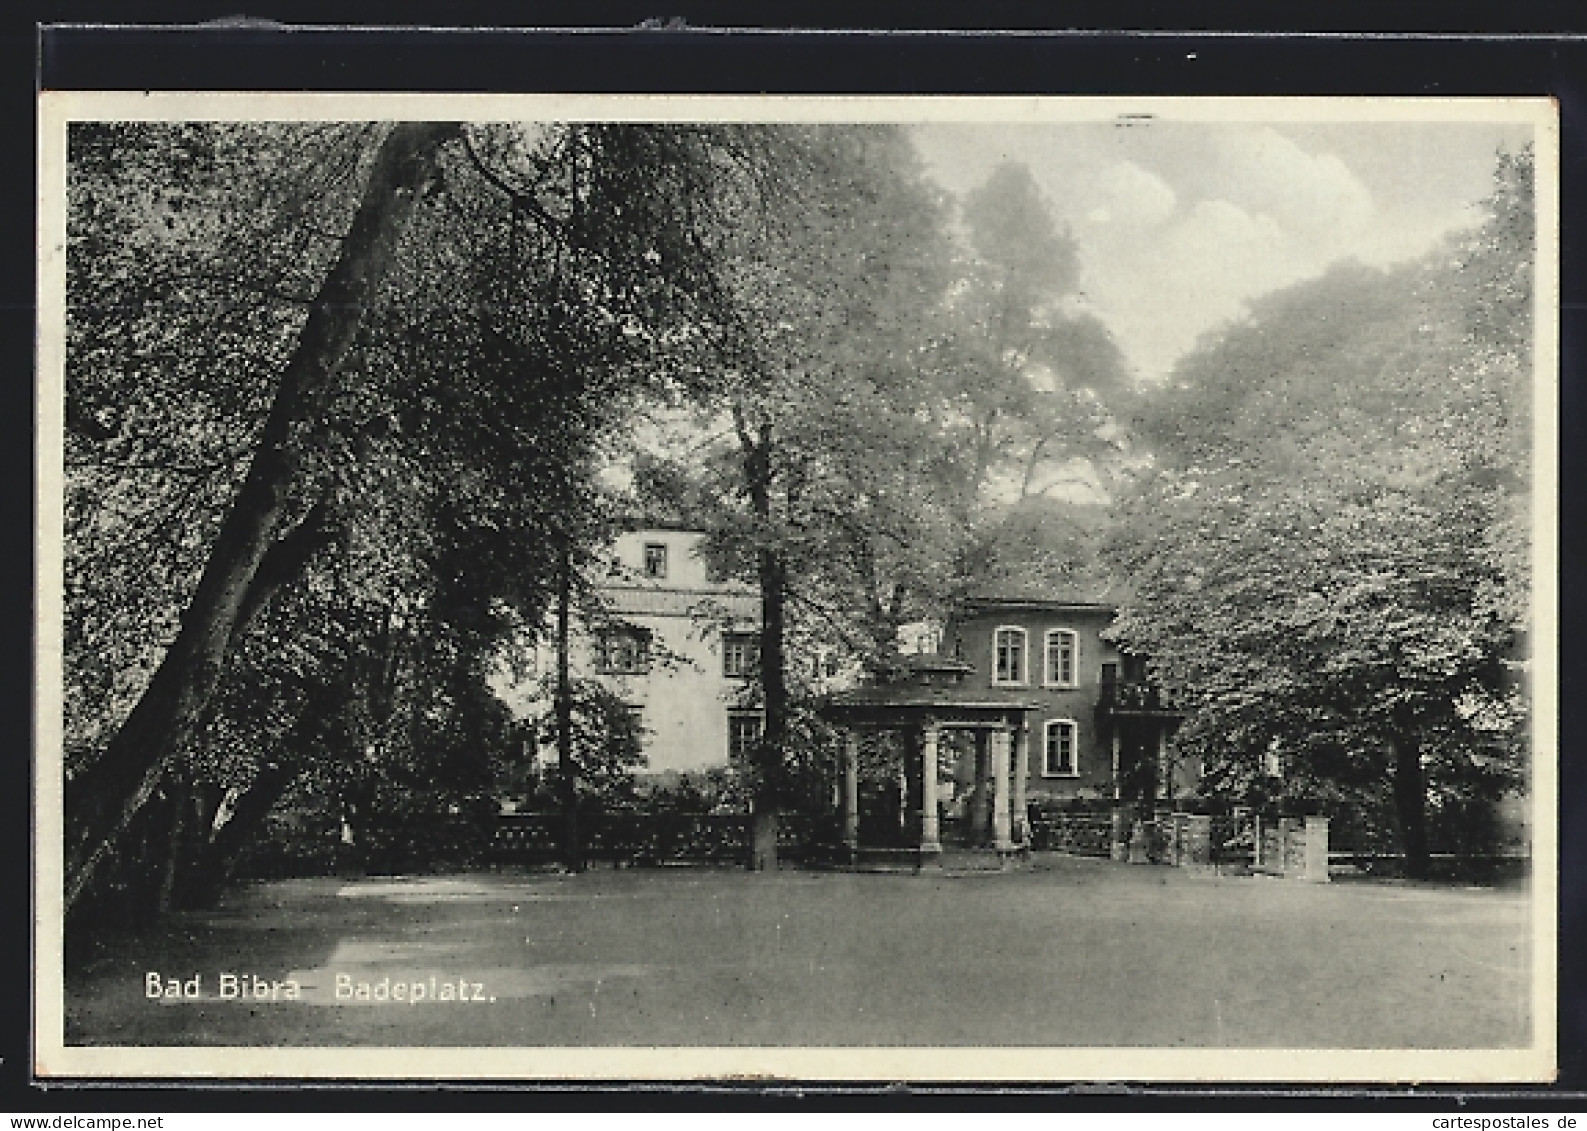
(928, 686)
(1086, 592)
(1035, 601)
(925, 696)
(928, 663)
(892, 705)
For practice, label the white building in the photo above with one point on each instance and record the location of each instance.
(677, 645)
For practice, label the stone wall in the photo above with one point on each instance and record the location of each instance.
(1294, 847)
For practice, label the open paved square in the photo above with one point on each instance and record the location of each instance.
(1065, 951)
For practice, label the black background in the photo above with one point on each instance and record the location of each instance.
(678, 46)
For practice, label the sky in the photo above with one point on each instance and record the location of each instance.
(1179, 223)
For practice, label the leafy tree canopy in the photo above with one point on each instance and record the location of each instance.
(1328, 556)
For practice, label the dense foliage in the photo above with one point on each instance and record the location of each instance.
(1328, 557)
(324, 379)
(341, 402)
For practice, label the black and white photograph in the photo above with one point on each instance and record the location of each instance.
(591, 587)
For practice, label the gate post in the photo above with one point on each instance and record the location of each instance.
(1314, 859)
(1140, 842)
(1120, 845)
(1196, 847)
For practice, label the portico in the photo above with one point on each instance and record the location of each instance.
(925, 702)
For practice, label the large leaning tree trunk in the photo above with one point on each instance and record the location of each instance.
(103, 799)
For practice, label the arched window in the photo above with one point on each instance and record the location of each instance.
(1008, 655)
(1060, 756)
(1063, 658)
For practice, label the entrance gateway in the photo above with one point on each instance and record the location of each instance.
(926, 699)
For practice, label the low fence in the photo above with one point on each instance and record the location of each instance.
(1077, 832)
(656, 837)
(1290, 846)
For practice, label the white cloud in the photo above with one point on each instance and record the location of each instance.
(1316, 193)
(1134, 195)
(1161, 294)
(1218, 235)
(1180, 224)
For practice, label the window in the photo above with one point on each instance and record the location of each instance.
(655, 559)
(1060, 755)
(743, 736)
(739, 651)
(1063, 658)
(1008, 655)
(623, 651)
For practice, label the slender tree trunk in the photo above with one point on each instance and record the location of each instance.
(774, 695)
(102, 800)
(773, 577)
(568, 774)
(1410, 803)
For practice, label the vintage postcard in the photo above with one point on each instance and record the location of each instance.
(828, 589)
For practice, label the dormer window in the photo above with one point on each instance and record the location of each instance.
(1063, 658)
(1008, 656)
(656, 560)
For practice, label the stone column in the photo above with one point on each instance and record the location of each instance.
(1002, 841)
(906, 792)
(1118, 753)
(851, 793)
(979, 810)
(1021, 772)
(929, 841)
